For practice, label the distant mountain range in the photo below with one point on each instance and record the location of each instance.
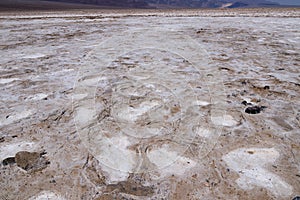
(110, 3)
(176, 3)
(212, 3)
(65, 4)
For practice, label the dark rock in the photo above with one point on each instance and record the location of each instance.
(52, 181)
(9, 161)
(246, 103)
(254, 109)
(243, 92)
(296, 198)
(200, 31)
(267, 87)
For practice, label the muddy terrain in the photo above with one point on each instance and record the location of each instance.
(145, 104)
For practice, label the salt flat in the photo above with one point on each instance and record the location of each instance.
(147, 104)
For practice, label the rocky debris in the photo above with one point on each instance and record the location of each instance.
(254, 109)
(31, 161)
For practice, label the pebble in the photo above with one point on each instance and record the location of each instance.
(246, 103)
(254, 109)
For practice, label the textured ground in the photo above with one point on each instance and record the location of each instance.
(190, 104)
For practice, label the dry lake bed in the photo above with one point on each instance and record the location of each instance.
(145, 104)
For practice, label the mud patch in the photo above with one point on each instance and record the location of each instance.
(31, 161)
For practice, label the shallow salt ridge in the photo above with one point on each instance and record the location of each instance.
(8, 80)
(12, 118)
(132, 114)
(38, 96)
(47, 195)
(33, 56)
(251, 165)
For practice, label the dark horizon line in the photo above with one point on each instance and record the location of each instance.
(53, 5)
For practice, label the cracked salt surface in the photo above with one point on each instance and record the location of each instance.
(144, 100)
(183, 87)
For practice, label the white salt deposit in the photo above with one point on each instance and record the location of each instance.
(10, 150)
(115, 156)
(33, 56)
(169, 162)
(251, 164)
(36, 97)
(225, 120)
(8, 80)
(47, 195)
(132, 114)
(204, 132)
(15, 117)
